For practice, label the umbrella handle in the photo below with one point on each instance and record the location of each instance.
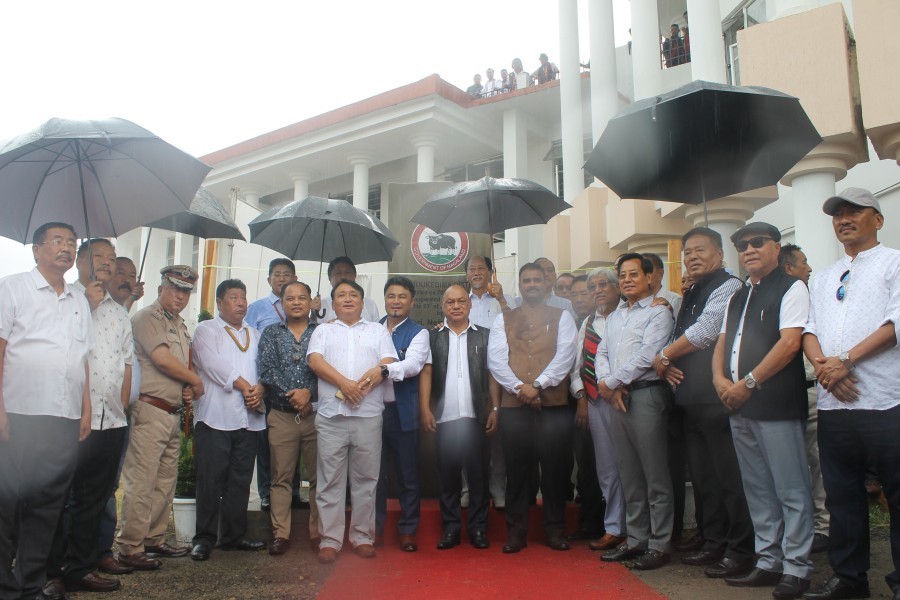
(320, 313)
(144, 256)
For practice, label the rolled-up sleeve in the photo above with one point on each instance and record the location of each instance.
(705, 331)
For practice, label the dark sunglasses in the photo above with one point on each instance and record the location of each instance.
(757, 242)
(842, 291)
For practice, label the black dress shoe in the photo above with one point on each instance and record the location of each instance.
(702, 558)
(651, 559)
(52, 590)
(755, 578)
(694, 544)
(245, 545)
(265, 504)
(280, 545)
(479, 540)
(621, 553)
(299, 503)
(820, 543)
(896, 594)
(513, 546)
(558, 543)
(200, 552)
(167, 550)
(93, 583)
(838, 589)
(447, 541)
(790, 587)
(729, 567)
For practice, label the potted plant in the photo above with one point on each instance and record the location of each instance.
(184, 506)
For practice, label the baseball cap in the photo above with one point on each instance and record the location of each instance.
(853, 195)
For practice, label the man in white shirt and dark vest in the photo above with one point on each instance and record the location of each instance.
(851, 339)
(758, 373)
(46, 337)
(530, 354)
(226, 421)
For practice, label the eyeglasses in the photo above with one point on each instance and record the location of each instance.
(842, 291)
(59, 243)
(757, 242)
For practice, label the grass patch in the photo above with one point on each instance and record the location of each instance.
(878, 518)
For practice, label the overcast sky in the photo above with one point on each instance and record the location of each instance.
(205, 74)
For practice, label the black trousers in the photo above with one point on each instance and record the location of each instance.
(847, 438)
(532, 437)
(75, 550)
(462, 444)
(717, 481)
(36, 468)
(224, 470)
(593, 507)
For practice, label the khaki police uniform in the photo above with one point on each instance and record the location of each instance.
(151, 462)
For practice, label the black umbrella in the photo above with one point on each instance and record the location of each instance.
(207, 218)
(323, 229)
(489, 205)
(702, 141)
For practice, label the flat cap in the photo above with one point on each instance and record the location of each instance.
(181, 276)
(759, 228)
(853, 195)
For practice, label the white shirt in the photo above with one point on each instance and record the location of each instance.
(523, 79)
(632, 338)
(48, 339)
(672, 298)
(794, 312)
(575, 382)
(490, 85)
(557, 369)
(114, 348)
(220, 362)
(458, 403)
(369, 313)
(417, 354)
(871, 299)
(484, 309)
(351, 350)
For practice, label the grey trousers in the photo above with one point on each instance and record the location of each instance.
(347, 444)
(600, 416)
(821, 518)
(641, 439)
(776, 483)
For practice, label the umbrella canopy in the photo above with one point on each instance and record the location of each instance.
(207, 218)
(702, 141)
(323, 229)
(489, 205)
(102, 177)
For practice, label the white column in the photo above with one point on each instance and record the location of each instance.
(645, 53)
(302, 178)
(812, 227)
(570, 101)
(361, 162)
(604, 84)
(707, 43)
(515, 161)
(425, 146)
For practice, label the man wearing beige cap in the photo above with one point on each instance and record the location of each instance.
(163, 348)
(851, 340)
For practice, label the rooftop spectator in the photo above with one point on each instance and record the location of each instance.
(474, 90)
(505, 80)
(491, 85)
(547, 71)
(520, 79)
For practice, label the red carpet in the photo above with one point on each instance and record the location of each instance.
(463, 572)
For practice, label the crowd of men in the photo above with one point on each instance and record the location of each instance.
(516, 79)
(773, 393)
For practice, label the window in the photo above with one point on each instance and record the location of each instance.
(195, 253)
(170, 251)
(374, 199)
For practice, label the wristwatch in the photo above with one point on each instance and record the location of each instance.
(536, 385)
(384, 372)
(579, 394)
(495, 408)
(844, 357)
(751, 381)
(663, 358)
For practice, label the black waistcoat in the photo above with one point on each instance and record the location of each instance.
(476, 351)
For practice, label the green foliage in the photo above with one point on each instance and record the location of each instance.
(186, 486)
(204, 315)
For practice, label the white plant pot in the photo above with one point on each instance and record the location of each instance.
(185, 513)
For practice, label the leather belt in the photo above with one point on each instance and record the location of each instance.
(161, 404)
(642, 385)
(289, 411)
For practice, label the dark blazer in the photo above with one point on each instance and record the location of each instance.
(477, 342)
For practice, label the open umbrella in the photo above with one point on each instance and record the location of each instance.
(702, 141)
(323, 229)
(207, 218)
(489, 205)
(102, 177)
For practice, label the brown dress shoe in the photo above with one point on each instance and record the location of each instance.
(364, 551)
(327, 555)
(93, 583)
(279, 546)
(607, 542)
(139, 561)
(167, 550)
(113, 567)
(408, 543)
